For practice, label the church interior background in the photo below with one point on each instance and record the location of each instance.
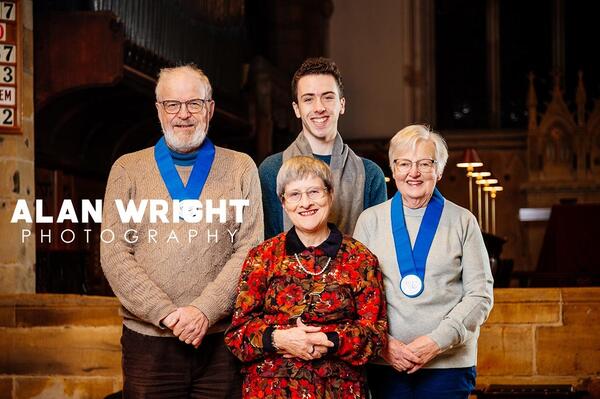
(517, 82)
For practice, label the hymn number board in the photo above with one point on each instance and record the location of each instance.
(11, 47)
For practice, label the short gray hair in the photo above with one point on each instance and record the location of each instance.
(187, 68)
(408, 138)
(301, 167)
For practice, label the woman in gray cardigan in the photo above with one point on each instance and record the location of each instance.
(437, 276)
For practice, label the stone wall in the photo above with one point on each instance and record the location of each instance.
(17, 260)
(67, 346)
(542, 336)
(59, 346)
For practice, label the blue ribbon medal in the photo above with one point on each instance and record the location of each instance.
(190, 193)
(411, 261)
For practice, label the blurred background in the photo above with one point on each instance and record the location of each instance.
(511, 85)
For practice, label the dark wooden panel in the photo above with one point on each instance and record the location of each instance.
(77, 49)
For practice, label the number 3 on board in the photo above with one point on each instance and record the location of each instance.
(7, 74)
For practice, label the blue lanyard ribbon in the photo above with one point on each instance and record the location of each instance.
(411, 261)
(170, 176)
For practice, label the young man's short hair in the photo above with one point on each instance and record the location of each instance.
(317, 66)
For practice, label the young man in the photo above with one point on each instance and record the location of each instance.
(177, 280)
(359, 183)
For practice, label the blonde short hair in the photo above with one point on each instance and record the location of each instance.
(187, 68)
(408, 138)
(301, 167)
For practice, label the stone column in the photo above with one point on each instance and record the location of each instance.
(17, 258)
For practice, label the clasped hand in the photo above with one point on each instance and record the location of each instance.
(302, 341)
(188, 323)
(410, 357)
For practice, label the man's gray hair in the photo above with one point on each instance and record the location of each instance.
(301, 167)
(408, 138)
(187, 68)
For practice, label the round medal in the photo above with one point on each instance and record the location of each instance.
(411, 285)
(189, 209)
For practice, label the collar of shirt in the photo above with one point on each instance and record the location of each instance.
(180, 159)
(329, 247)
(324, 158)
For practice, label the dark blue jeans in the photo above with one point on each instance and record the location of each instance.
(387, 383)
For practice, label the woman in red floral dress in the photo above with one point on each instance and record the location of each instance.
(310, 312)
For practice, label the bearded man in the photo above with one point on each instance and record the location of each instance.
(177, 289)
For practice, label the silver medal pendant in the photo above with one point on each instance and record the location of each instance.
(411, 285)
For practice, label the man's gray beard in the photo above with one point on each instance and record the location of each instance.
(184, 145)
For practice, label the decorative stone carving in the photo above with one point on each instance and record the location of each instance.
(564, 147)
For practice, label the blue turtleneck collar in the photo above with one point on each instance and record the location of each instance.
(183, 159)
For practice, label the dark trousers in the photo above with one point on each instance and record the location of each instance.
(155, 367)
(386, 383)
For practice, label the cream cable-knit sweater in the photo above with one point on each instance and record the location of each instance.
(152, 279)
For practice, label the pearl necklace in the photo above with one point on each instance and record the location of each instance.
(309, 272)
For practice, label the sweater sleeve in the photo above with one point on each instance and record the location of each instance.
(361, 229)
(375, 188)
(273, 213)
(476, 303)
(128, 279)
(216, 300)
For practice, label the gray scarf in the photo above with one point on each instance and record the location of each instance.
(348, 182)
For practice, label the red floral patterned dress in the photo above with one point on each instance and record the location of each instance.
(347, 301)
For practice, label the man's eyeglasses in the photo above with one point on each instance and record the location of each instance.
(423, 165)
(313, 193)
(193, 106)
